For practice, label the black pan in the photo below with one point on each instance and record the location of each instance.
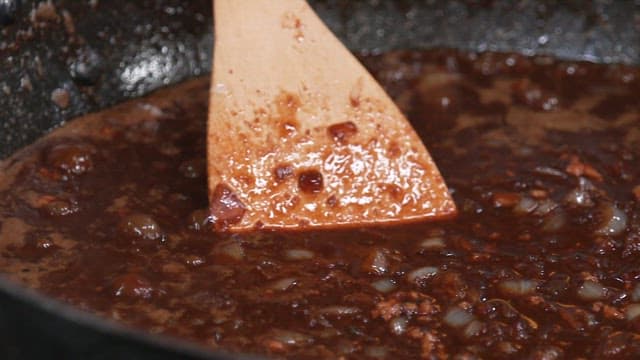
(104, 52)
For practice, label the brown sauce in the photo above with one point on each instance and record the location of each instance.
(543, 159)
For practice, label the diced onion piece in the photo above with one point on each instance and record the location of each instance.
(507, 348)
(283, 284)
(505, 199)
(433, 244)
(299, 254)
(635, 294)
(591, 291)
(545, 206)
(399, 325)
(421, 274)
(376, 262)
(142, 226)
(549, 171)
(518, 287)
(548, 352)
(457, 317)
(632, 311)
(338, 310)
(473, 329)
(554, 222)
(232, 249)
(526, 205)
(579, 197)
(384, 285)
(615, 221)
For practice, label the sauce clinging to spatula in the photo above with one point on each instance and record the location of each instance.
(302, 135)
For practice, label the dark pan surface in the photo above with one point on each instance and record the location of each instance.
(102, 52)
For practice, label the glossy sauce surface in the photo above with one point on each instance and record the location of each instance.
(542, 157)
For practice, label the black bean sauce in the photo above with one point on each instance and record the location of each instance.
(542, 157)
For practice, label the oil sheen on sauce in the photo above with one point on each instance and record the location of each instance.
(110, 214)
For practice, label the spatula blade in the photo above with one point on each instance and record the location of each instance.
(301, 136)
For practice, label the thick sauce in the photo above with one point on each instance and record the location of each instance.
(543, 159)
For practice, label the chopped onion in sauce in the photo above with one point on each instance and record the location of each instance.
(421, 274)
(433, 243)
(376, 262)
(632, 311)
(232, 249)
(635, 294)
(299, 254)
(457, 317)
(592, 291)
(555, 221)
(473, 329)
(615, 220)
(518, 287)
(283, 284)
(526, 205)
(508, 348)
(338, 310)
(545, 206)
(399, 325)
(384, 285)
(578, 197)
(549, 171)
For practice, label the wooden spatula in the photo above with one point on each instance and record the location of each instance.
(301, 136)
